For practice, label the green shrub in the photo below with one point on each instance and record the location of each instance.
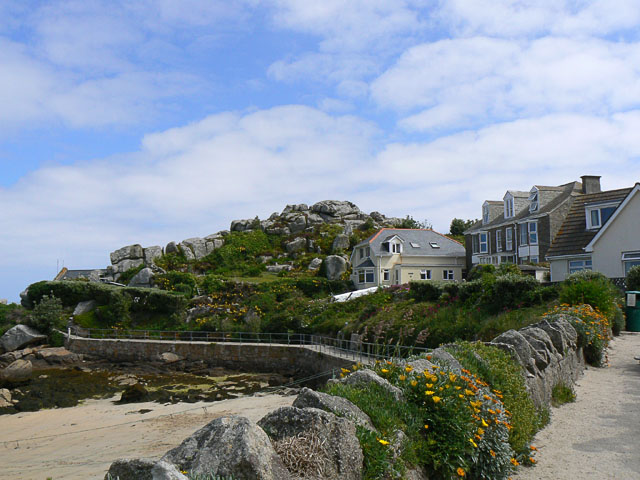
(479, 271)
(426, 291)
(589, 288)
(171, 280)
(509, 291)
(561, 394)
(504, 374)
(47, 314)
(633, 278)
(618, 323)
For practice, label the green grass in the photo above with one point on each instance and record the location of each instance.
(562, 394)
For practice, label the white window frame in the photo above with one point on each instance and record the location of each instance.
(498, 240)
(579, 264)
(369, 276)
(385, 275)
(483, 245)
(534, 200)
(533, 233)
(589, 210)
(509, 239)
(485, 214)
(534, 259)
(425, 274)
(630, 259)
(448, 275)
(361, 276)
(361, 253)
(508, 207)
(367, 252)
(523, 239)
(397, 276)
(396, 247)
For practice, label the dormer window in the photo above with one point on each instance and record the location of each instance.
(508, 206)
(597, 215)
(533, 200)
(396, 247)
(485, 214)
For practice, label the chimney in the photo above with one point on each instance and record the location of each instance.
(590, 183)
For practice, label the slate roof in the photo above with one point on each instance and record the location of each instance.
(572, 189)
(422, 237)
(573, 235)
(77, 274)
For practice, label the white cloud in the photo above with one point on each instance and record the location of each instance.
(474, 80)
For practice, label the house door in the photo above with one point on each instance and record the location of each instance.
(396, 276)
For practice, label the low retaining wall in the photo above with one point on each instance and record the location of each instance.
(251, 357)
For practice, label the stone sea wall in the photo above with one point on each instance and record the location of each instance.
(283, 359)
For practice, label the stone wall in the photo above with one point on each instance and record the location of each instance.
(298, 360)
(549, 353)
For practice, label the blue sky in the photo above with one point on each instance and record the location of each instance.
(150, 121)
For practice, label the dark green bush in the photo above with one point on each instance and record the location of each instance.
(170, 280)
(633, 278)
(126, 277)
(479, 271)
(426, 291)
(589, 288)
(469, 292)
(509, 291)
(46, 314)
(618, 323)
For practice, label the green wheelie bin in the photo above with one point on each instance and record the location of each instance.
(633, 311)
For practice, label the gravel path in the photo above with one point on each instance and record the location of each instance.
(597, 436)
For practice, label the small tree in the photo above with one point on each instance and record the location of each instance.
(633, 278)
(47, 314)
(458, 226)
(409, 222)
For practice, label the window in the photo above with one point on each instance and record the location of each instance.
(498, 240)
(534, 259)
(533, 233)
(361, 253)
(385, 275)
(508, 206)
(509, 238)
(485, 214)
(415, 245)
(425, 274)
(369, 276)
(630, 259)
(483, 242)
(447, 274)
(524, 234)
(533, 200)
(367, 252)
(506, 259)
(598, 216)
(360, 276)
(475, 243)
(397, 276)
(396, 248)
(577, 265)
(434, 245)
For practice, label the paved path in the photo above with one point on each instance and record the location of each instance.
(597, 436)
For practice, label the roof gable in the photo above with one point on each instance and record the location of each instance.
(634, 191)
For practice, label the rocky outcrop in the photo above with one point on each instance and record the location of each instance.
(340, 406)
(229, 446)
(315, 264)
(57, 356)
(548, 352)
(84, 307)
(298, 244)
(144, 278)
(5, 398)
(143, 469)
(335, 266)
(364, 377)
(340, 243)
(18, 372)
(330, 442)
(19, 337)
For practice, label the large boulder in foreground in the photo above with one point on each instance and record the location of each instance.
(19, 337)
(340, 406)
(229, 446)
(314, 443)
(143, 469)
(18, 372)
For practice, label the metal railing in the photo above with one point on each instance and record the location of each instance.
(356, 350)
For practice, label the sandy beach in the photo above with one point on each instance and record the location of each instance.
(596, 437)
(80, 443)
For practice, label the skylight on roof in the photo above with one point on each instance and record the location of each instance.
(434, 245)
(415, 245)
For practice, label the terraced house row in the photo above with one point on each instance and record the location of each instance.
(574, 226)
